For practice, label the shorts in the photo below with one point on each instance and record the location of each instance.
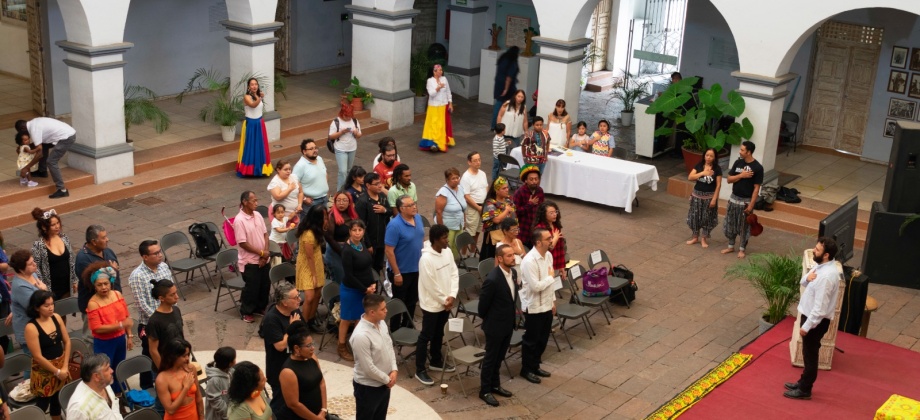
(472, 221)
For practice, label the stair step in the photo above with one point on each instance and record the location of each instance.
(603, 76)
(598, 88)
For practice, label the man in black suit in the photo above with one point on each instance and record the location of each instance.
(496, 308)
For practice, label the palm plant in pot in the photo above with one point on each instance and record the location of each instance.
(628, 88)
(140, 108)
(776, 278)
(704, 117)
(419, 69)
(225, 108)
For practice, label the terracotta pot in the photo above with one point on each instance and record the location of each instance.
(357, 104)
(692, 158)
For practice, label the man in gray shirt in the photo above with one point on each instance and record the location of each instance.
(375, 361)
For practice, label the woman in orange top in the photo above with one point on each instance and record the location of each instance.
(177, 383)
(108, 316)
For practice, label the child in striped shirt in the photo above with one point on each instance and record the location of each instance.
(499, 146)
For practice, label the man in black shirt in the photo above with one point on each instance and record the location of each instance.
(274, 332)
(374, 209)
(746, 176)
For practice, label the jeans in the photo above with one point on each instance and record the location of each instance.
(322, 201)
(496, 168)
(55, 156)
(497, 106)
(344, 160)
(116, 348)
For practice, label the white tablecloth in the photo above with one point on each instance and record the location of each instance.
(598, 179)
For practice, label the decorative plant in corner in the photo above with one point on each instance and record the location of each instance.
(140, 108)
(355, 93)
(280, 85)
(226, 106)
(702, 115)
(419, 67)
(775, 277)
(628, 88)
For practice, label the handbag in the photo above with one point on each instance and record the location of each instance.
(595, 283)
(74, 366)
(630, 291)
(228, 228)
(43, 383)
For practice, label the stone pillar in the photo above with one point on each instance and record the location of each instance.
(95, 48)
(252, 40)
(468, 34)
(560, 73)
(381, 41)
(764, 98)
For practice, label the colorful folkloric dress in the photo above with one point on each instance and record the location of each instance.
(438, 134)
(254, 159)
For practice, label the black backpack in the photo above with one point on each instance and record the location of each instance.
(205, 240)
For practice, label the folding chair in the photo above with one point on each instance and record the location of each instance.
(467, 355)
(570, 311)
(281, 272)
(134, 365)
(65, 394)
(144, 414)
(471, 306)
(404, 336)
(18, 363)
(602, 303)
(485, 266)
(218, 233)
(263, 210)
(617, 284)
(186, 265)
(70, 306)
(82, 347)
(7, 331)
(464, 241)
(28, 413)
(425, 222)
(329, 292)
(227, 258)
(511, 171)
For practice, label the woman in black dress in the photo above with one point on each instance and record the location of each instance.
(53, 254)
(303, 389)
(703, 215)
(359, 281)
(49, 344)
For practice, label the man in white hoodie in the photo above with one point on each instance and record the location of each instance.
(438, 283)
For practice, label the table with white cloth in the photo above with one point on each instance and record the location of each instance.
(598, 179)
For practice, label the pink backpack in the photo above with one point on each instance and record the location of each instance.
(595, 283)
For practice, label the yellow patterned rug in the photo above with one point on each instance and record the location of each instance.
(701, 387)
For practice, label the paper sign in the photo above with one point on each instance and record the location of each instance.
(595, 256)
(557, 284)
(576, 272)
(455, 325)
(572, 263)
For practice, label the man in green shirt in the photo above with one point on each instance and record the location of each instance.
(402, 185)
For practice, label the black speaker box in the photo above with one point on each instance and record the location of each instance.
(900, 195)
(854, 301)
(890, 257)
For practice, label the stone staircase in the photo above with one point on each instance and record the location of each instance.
(600, 81)
(166, 166)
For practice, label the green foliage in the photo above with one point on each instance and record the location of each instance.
(700, 117)
(775, 277)
(910, 219)
(355, 90)
(140, 108)
(419, 66)
(280, 84)
(226, 106)
(628, 89)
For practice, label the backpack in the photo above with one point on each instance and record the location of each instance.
(330, 142)
(630, 291)
(595, 283)
(205, 240)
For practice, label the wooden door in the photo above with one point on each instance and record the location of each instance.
(841, 87)
(283, 45)
(36, 56)
(601, 35)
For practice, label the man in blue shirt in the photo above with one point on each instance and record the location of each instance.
(96, 249)
(403, 247)
(310, 172)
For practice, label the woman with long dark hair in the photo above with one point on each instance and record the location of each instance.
(513, 115)
(53, 254)
(549, 218)
(437, 133)
(254, 159)
(359, 281)
(560, 125)
(342, 212)
(497, 207)
(177, 383)
(303, 389)
(218, 384)
(311, 276)
(354, 183)
(247, 394)
(49, 345)
(703, 215)
(505, 83)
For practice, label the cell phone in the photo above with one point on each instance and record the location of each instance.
(480, 354)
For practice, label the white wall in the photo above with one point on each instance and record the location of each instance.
(14, 43)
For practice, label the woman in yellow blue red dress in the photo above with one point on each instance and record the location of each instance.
(438, 134)
(254, 159)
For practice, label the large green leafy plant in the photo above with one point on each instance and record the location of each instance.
(225, 108)
(628, 88)
(775, 277)
(140, 108)
(700, 115)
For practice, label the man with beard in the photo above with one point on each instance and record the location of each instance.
(746, 177)
(527, 200)
(386, 166)
(402, 185)
(496, 307)
(93, 398)
(374, 209)
(310, 171)
(819, 300)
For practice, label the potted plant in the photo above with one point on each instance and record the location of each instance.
(280, 85)
(628, 88)
(704, 116)
(419, 69)
(355, 93)
(776, 278)
(140, 108)
(226, 106)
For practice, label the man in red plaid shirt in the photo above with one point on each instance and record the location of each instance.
(526, 201)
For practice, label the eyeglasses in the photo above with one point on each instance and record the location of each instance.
(295, 297)
(152, 254)
(342, 200)
(308, 346)
(411, 205)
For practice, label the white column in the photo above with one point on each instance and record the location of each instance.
(381, 42)
(95, 48)
(252, 40)
(560, 73)
(468, 31)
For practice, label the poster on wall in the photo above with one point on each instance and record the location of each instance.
(899, 57)
(899, 108)
(514, 31)
(897, 82)
(914, 88)
(890, 125)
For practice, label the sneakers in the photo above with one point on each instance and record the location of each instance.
(445, 368)
(31, 184)
(423, 377)
(23, 181)
(60, 194)
(248, 319)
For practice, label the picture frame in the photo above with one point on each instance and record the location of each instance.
(915, 59)
(913, 88)
(899, 57)
(902, 109)
(888, 128)
(514, 31)
(897, 81)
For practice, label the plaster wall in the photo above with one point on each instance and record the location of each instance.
(317, 35)
(14, 43)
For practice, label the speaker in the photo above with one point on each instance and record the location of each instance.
(854, 301)
(900, 195)
(890, 257)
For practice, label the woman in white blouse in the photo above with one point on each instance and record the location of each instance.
(438, 135)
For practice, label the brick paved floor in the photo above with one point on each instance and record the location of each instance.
(686, 318)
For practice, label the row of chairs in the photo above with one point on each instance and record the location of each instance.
(32, 412)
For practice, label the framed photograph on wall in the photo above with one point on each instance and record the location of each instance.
(913, 88)
(915, 59)
(899, 57)
(900, 108)
(890, 125)
(897, 81)
(514, 31)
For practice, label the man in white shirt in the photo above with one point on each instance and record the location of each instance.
(817, 305)
(438, 284)
(93, 399)
(55, 138)
(375, 361)
(475, 187)
(538, 301)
